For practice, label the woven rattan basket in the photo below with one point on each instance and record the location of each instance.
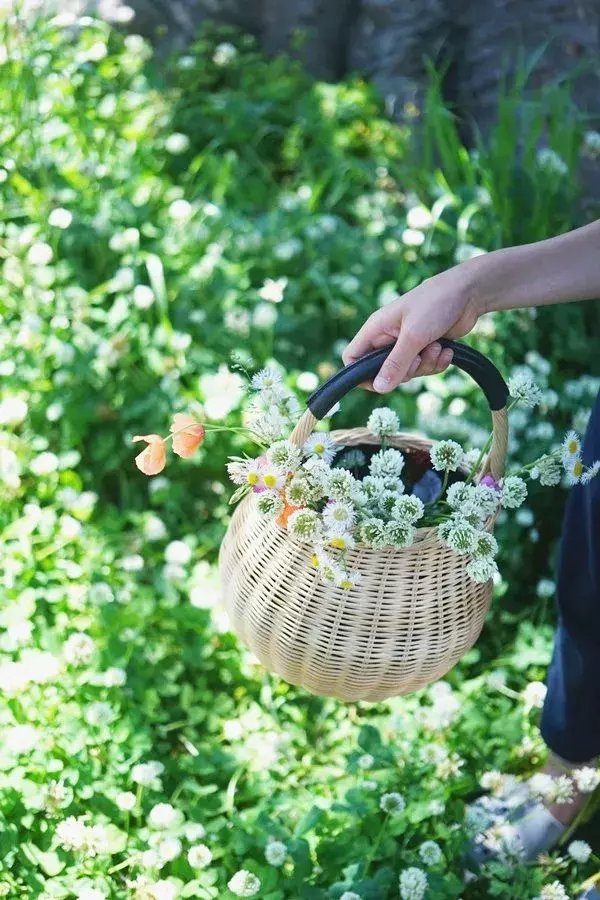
(415, 612)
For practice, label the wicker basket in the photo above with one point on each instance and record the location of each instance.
(415, 612)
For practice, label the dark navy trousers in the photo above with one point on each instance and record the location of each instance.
(571, 715)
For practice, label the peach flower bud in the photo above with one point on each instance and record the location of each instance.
(153, 459)
(187, 435)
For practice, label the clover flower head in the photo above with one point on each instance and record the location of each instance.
(413, 884)
(399, 534)
(392, 803)
(580, 851)
(458, 534)
(387, 464)
(305, 524)
(276, 853)
(482, 569)
(514, 492)
(284, 456)
(373, 533)
(269, 504)
(430, 853)
(446, 456)
(244, 884)
(340, 484)
(522, 387)
(383, 422)
(408, 508)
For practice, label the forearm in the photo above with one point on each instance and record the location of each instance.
(558, 270)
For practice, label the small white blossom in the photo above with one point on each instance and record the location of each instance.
(551, 162)
(383, 422)
(580, 851)
(522, 387)
(586, 779)
(494, 782)
(534, 695)
(387, 464)
(147, 774)
(482, 569)
(40, 254)
(273, 290)
(338, 516)
(446, 456)
(392, 803)
(79, 649)
(430, 853)
(244, 884)
(60, 218)
(275, 853)
(177, 553)
(554, 891)
(143, 296)
(285, 456)
(177, 143)
(350, 895)
(365, 761)
(574, 469)
(413, 884)
(514, 492)
(125, 801)
(305, 524)
(199, 856)
(224, 54)
(321, 446)
(163, 815)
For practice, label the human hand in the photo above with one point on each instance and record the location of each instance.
(443, 306)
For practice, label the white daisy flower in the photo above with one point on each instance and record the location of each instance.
(590, 472)
(347, 580)
(272, 478)
(341, 541)
(339, 516)
(574, 469)
(266, 378)
(571, 444)
(321, 446)
(244, 471)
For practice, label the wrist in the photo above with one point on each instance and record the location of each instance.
(482, 278)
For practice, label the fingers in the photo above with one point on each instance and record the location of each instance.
(398, 364)
(435, 359)
(361, 343)
(432, 360)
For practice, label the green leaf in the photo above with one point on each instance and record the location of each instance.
(309, 821)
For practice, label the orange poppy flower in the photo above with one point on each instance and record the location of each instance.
(153, 459)
(187, 435)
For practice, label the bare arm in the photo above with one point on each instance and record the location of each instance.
(558, 270)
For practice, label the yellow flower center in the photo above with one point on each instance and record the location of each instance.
(252, 478)
(573, 446)
(270, 480)
(338, 542)
(319, 448)
(314, 560)
(578, 469)
(346, 584)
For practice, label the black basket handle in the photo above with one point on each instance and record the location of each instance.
(474, 363)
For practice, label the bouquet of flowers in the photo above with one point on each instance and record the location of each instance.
(333, 498)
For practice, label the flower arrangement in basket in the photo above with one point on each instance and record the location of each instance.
(359, 563)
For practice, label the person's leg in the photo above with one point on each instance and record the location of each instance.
(571, 716)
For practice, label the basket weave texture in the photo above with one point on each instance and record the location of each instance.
(413, 615)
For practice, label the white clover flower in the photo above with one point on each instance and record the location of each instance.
(458, 534)
(72, 833)
(44, 464)
(408, 508)
(459, 494)
(554, 891)
(586, 778)
(90, 893)
(446, 456)
(305, 524)
(350, 895)
(392, 803)
(269, 504)
(365, 761)
(143, 296)
(194, 831)
(78, 649)
(273, 290)
(383, 422)
(373, 533)
(534, 695)
(21, 739)
(514, 492)
(146, 774)
(437, 808)
(494, 782)
(591, 143)
(563, 789)
(522, 387)
(125, 800)
(430, 853)
(224, 53)
(549, 471)
(177, 553)
(550, 161)
(169, 849)
(321, 446)
(482, 569)
(163, 815)
(341, 485)
(244, 884)
(339, 516)
(541, 786)
(60, 218)
(164, 890)
(199, 856)
(180, 210)
(580, 851)
(387, 464)
(399, 534)
(302, 490)
(485, 545)
(99, 714)
(286, 250)
(413, 884)
(40, 254)
(574, 469)
(285, 456)
(275, 853)
(177, 143)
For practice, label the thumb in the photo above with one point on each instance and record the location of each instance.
(402, 362)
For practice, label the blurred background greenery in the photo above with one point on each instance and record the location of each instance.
(166, 226)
